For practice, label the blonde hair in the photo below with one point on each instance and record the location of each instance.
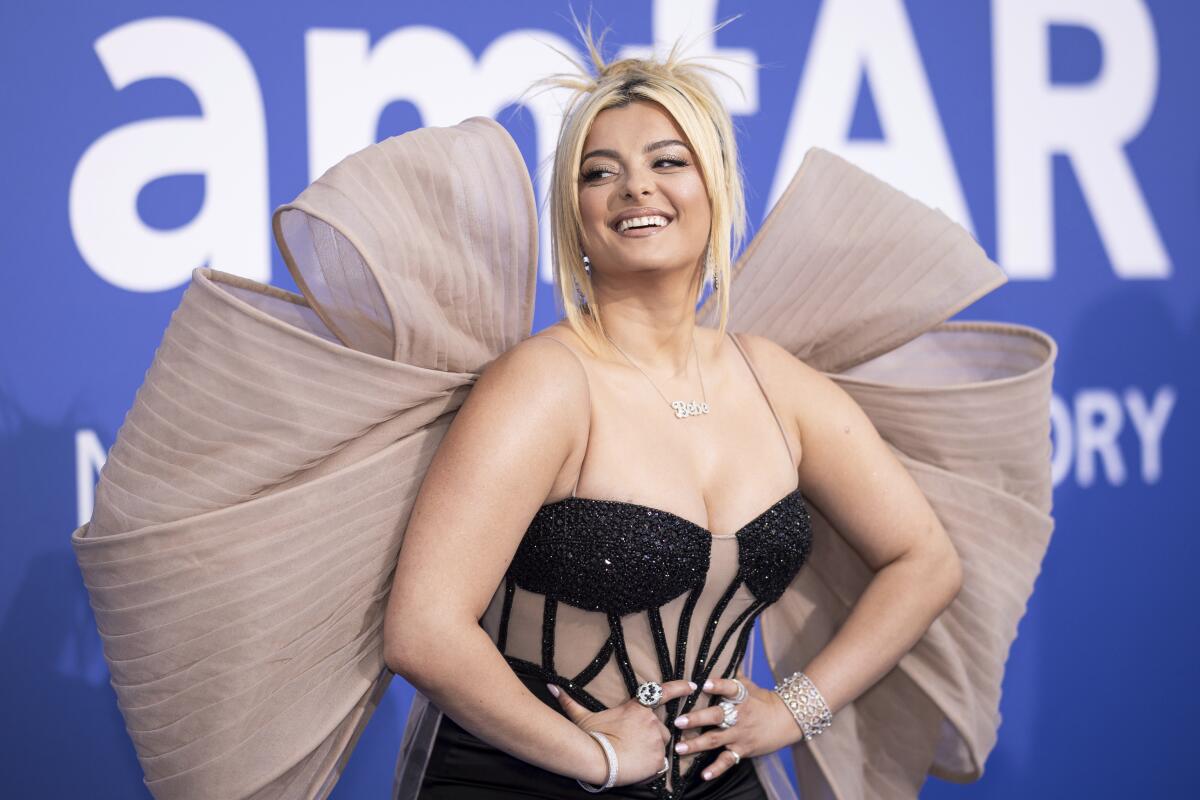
(679, 86)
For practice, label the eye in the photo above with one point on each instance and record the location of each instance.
(595, 173)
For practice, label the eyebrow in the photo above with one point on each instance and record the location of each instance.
(652, 146)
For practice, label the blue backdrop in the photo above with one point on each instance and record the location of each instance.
(144, 139)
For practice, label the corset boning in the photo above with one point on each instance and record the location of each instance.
(603, 595)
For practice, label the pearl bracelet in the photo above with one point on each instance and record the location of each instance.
(610, 755)
(806, 704)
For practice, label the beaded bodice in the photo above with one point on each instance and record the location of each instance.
(603, 595)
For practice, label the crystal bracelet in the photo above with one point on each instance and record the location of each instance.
(610, 755)
(806, 704)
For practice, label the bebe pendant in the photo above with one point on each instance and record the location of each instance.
(686, 409)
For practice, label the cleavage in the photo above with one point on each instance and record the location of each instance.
(623, 558)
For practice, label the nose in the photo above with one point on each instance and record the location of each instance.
(638, 181)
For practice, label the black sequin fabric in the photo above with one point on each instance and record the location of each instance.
(604, 555)
(618, 558)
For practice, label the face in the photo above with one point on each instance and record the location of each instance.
(636, 162)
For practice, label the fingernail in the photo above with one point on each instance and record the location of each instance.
(553, 689)
(681, 748)
(708, 776)
(708, 684)
(680, 722)
(693, 685)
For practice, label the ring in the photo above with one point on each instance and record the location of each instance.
(666, 766)
(736, 758)
(742, 694)
(731, 714)
(649, 694)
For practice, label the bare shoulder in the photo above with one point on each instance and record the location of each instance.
(541, 361)
(537, 379)
(772, 359)
(535, 392)
(848, 469)
(786, 375)
(505, 449)
(525, 416)
(816, 403)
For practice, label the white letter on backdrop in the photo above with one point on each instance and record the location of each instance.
(872, 38)
(1150, 421)
(90, 456)
(1088, 123)
(690, 22)
(1098, 423)
(227, 144)
(350, 83)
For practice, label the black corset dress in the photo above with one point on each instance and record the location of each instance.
(603, 595)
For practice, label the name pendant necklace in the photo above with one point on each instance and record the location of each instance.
(683, 408)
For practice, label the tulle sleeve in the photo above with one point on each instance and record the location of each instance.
(856, 278)
(249, 515)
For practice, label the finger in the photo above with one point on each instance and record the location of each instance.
(721, 686)
(709, 740)
(680, 688)
(724, 762)
(670, 691)
(700, 718)
(574, 711)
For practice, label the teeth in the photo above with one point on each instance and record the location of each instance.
(634, 222)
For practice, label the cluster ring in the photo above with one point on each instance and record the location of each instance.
(731, 714)
(650, 694)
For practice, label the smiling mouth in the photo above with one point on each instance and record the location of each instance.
(640, 227)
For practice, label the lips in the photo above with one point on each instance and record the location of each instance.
(641, 211)
(641, 215)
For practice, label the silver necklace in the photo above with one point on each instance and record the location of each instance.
(683, 408)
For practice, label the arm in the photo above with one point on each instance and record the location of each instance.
(497, 464)
(866, 493)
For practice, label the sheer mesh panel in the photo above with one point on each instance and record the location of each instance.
(295, 312)
(339, 283)
(953, 354)
(579, 634)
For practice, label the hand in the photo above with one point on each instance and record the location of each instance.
(633, 730)
(763, 725)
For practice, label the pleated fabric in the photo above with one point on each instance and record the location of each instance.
(856, 278)
(249, 515)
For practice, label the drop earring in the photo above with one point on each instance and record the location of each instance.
(580, 298)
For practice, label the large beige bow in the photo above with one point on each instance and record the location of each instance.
(248, 518)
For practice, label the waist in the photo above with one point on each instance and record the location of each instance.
(462, 761)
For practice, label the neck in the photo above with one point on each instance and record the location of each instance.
(651, 314)
(654, 325)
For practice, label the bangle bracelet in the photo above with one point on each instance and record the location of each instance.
(806, 704)
(610, 755)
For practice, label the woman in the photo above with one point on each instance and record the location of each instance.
(245, 545)
(577, 447)
(549, 417)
